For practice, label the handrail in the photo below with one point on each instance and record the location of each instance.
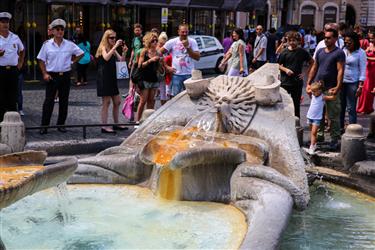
(84, 126)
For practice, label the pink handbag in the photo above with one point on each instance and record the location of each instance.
(127, 108)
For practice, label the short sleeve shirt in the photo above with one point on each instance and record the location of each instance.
(261, 42)
(137, 47)
(181, 61)
(58, 58)
(12, 45)
(327, 66)
(293, 60)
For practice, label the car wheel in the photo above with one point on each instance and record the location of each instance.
(217, 70)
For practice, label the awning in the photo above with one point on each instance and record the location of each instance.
(246, 5)
(89, 1)
(206, 4)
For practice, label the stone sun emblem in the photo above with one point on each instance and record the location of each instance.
(234, 99)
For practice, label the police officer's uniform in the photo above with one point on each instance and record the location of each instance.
(12, 46)
(58, 60)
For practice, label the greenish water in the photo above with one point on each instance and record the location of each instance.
(118, 217)
(337, 218)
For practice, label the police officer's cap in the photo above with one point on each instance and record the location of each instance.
(5, 15)
(58, 22)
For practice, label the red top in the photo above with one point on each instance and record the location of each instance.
(168, 76)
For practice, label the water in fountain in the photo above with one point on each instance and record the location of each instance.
(120, 217)
(337, 218)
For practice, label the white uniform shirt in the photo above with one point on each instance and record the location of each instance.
(12, 46)
(261, 42)
(58, 58)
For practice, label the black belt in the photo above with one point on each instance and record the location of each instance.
(8, 67)
(58, 73)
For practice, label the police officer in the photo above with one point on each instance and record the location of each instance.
(55, 59)
(11, 60)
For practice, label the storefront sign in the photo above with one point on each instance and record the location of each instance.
(164, 15)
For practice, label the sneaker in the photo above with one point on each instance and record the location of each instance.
(21, 113)
(312, 149)
(334, 145)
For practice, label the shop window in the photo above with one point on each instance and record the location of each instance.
(330, 14)
(308, 16)
(209, 42)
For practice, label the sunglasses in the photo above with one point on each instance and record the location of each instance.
(327, 37)
(112, 37)
(154, 41)
(4, 20)
(59, 29)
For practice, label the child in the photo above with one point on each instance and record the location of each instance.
(315, 113)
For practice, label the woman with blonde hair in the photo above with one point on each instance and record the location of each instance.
(150, 61)
(106, 79)
(162, 39)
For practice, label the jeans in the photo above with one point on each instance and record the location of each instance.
(348, 102)
(177, 84)
(333, 109)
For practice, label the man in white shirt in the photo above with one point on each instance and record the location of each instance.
(11, 60)
(260, 48)
(321, 45)
(55, 60)
(184, 50)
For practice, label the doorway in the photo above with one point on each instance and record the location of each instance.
(350, 15)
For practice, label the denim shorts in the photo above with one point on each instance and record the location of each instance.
(177, 84)
(314, 121)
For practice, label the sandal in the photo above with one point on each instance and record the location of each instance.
(78, 84)
(108, 131)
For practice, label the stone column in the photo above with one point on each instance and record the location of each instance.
(353, 146)
(13, 131)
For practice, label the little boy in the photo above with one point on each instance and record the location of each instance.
(315, 112)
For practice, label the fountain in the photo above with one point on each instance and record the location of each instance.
(227, 139)
(23, 174)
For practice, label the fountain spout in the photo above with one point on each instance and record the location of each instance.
(220, 119)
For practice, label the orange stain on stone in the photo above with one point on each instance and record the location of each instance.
(11, 176)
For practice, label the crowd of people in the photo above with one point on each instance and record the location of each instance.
(338, 67)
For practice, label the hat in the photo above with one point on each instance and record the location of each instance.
(6, 15)
(58, 22)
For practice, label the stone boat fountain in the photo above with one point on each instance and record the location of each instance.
(227, 139)
(23, 174)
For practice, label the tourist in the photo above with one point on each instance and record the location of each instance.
(227, 41)
(260, 48)
(107, 88)
(184, 51)
(55, 62)
(329, 68)
(237, 55)
(366, 100)
(339, 42)
(364, 43)
(310, 41)
(150, 61)
(11, 61)
(83, 64)
(272, 42)
(315, 112)
(162, 39)
(291, 62)
(354, 76)
(136, 47)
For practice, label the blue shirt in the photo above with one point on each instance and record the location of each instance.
(355, 66)
(86, 49)
(327, 66)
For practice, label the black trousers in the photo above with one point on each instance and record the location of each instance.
(258, 64)
(8, 89)
(60, 83)
(81, 72)
(295, 91)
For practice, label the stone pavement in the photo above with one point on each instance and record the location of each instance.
(84, 108)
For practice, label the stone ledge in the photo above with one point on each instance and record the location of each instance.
(366, 168)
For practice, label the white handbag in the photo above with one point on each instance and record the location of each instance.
(122, 70)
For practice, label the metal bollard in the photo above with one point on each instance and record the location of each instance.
(353, 146)
(13, 131)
